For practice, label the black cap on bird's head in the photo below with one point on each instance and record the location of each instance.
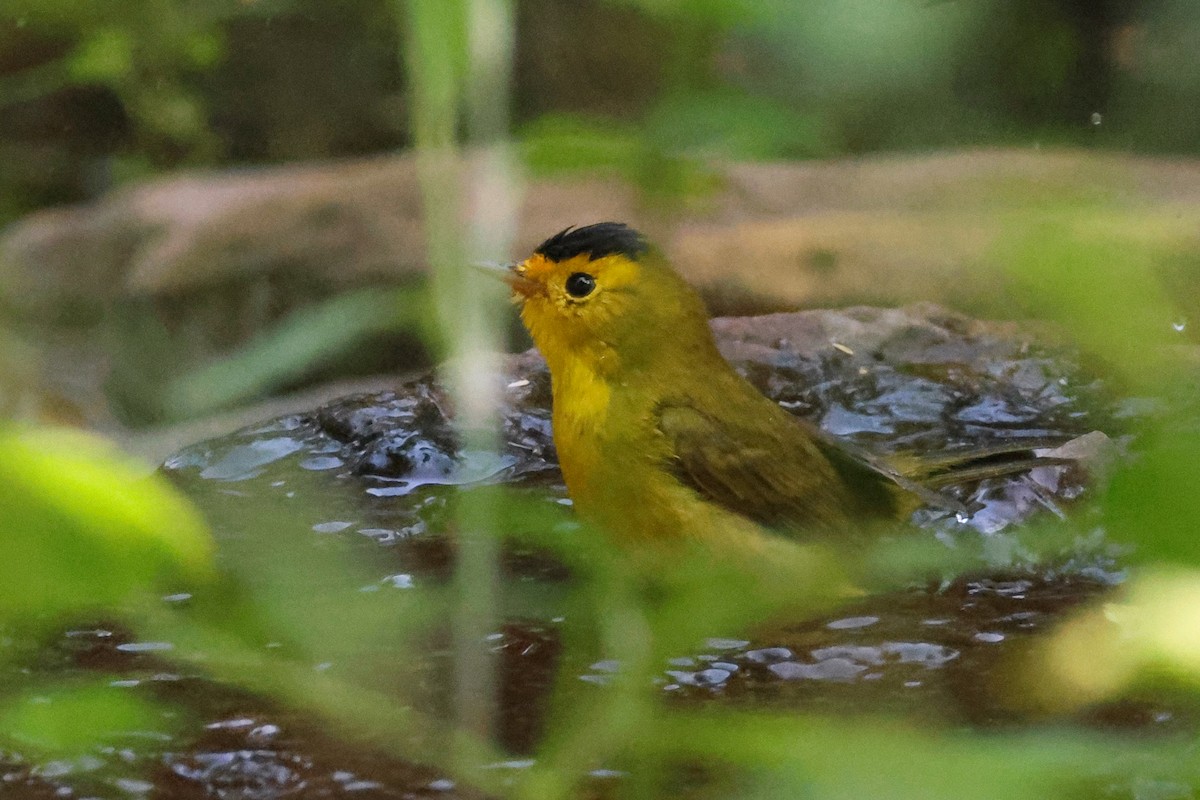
(603, 286)
(596, 241)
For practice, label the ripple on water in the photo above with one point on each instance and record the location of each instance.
(244, 462)
(833, 669)
(321, 463)
(841, 421)
(851, 622)
(712, 677)
(244, 774)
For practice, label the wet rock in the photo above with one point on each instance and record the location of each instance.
(917, 379)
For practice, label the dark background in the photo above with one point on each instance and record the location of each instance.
(93, 95)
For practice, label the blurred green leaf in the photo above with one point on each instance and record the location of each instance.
(304, 339)
(1101, 282)
(1153, 504)
(563, 143)
(721, 13)
(72, 719)
(87, 529)
(203, 49)
(728, 123)
(105, 56)
(827, 758)
(170, 111)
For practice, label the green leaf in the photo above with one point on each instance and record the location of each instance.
(85, 528)
(204, 49)
(1076, 265)
(733, 124)
(105, 56)
(563, 143)
(71, 719)
(1153, 504)
(720, 13)
(302, 340)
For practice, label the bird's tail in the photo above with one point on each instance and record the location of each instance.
(937, 471)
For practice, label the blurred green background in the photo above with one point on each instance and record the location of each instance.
(96, 94)
(1013, 158)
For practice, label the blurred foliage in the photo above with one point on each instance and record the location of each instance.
(94, 94)
(562, 145)
(295, 347)
(1103, 281)
(84, 529)
(67, 720)
(87, 534)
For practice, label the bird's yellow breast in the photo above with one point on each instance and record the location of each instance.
(581, 406)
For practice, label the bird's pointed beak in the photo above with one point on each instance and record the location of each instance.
(511, 273)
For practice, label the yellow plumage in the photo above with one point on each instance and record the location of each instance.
(657, 436)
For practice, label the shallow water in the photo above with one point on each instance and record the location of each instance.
(374, 475)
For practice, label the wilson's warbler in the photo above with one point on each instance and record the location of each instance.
(658, 437)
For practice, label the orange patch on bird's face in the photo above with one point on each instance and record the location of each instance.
(560, 322)
(531, 276)
(539, 279)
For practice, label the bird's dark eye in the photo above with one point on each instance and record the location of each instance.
(580, 284)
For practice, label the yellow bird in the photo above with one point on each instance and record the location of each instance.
(658, 437)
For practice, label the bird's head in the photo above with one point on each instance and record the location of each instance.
(602, 292)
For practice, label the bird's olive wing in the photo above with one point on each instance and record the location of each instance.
(778, 475)
(879, 486)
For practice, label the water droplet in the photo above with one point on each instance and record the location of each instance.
(725, 644)
(331, 527)
(321, 463)
(230, 724)
(851, 622)
(134, 786)
(1097, 118)
(711, 677)
(399, 581)
(1179, 325)
(263, 733)
(145, 647)
(607, 773)
(833, 669)
(519, 763)
(769, 654)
